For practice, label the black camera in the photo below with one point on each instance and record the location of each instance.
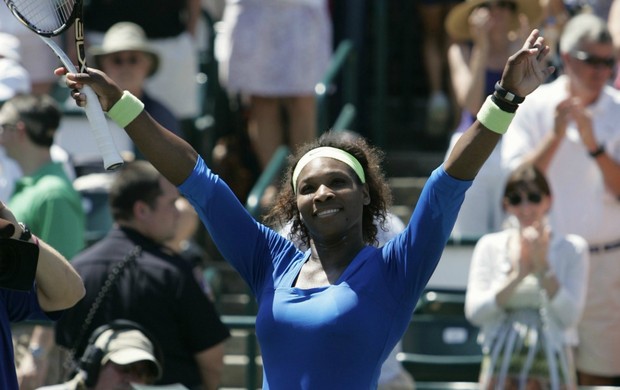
(18, 260)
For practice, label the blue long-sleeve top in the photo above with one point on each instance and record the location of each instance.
(337, 336)
(17, 306)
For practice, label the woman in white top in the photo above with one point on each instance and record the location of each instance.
(526, 291)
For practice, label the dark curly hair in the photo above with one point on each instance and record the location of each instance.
(285, 206)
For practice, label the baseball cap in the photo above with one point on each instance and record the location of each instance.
(127, 346)
(14, 79)
(10, 47)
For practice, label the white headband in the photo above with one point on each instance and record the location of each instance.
(328, 151)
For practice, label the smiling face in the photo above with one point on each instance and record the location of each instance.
(331, 200)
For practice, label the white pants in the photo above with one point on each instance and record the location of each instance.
(598, 351)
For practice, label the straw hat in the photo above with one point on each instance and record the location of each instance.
(125, 36)
(457, 24)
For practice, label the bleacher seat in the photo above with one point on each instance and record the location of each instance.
(441, 348)
(442, 302)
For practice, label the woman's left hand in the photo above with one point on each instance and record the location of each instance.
(527, 68)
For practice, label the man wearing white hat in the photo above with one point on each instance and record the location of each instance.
(127, 57)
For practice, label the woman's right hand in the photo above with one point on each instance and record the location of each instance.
(534, 248)
(106, 89)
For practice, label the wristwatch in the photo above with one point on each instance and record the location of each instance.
(600, 150)
(26, 234)
(507, 95)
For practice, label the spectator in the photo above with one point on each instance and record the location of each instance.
(613, 23)
(527, 290)
(170, 26)
(126, 56)
(484, 37)
(153, 286)
(35, 56)
(14, 79)
(435, 42)
(43, 292)
(329, 317)
(277, 72)
(568, 129)
(118, 355)
(44, 195)
(44, 199)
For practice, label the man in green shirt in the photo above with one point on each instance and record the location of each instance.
(44, 199)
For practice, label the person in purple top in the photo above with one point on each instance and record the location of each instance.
(328, 317)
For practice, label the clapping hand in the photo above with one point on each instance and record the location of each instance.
(534, 247)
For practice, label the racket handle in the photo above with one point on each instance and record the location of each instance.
(98, 123)
(101, 131)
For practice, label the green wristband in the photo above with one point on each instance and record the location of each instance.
(494, 118)
(126, 109)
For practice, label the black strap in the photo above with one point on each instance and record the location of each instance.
(70, 361)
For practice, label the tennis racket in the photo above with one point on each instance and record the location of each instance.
(49, 18)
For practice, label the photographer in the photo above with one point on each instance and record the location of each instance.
(36, 282)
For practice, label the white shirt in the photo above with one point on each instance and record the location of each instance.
(581, 203)
(490, 266)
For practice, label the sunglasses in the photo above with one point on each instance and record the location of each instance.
(6, 127)
(593, 60)
(119, 60)
(517, 199)
(510, 5)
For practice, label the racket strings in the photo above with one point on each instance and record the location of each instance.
(47, 16)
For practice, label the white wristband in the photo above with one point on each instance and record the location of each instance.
(126, 109)
(494, 118)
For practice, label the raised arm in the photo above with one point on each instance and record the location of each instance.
(523, 73)
(170, 154)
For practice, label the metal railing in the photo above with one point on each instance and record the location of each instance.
(342, 62)
(246, 323)
(269, 175)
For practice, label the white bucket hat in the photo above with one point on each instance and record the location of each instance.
(125, 36)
